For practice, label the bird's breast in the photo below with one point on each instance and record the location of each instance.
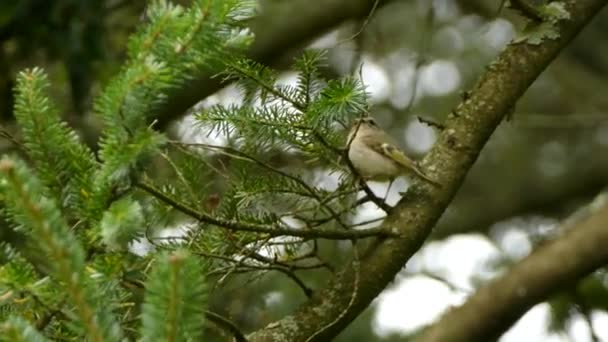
(370, 163)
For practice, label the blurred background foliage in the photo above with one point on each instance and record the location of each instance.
(417, 58)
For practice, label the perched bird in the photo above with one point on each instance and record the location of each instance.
(375, 155)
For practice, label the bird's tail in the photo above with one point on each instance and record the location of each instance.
(422, 175)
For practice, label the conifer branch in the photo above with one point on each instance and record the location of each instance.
(310, 191)
(174, 300)
(295, 23)
(272, 231)
(47, 225)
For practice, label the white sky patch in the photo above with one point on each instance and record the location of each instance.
(448, 38)
(419, 137)
(459, 259)
(599, 320)
(288, 79)
(441, 77)
(140, 247)
(368, 212)
(512, 241)
(532, 327)
(403, 80)
(445, 10)
(343, 58)
(469, 23)
(280, 247)
(326, 180)
(497, 33)
(192, 131)
(292, 222)
(375, 79)
(176, 233)
(578, 328)
(400, 184)
(274, 298)
(173, 234)
(326, 41)
(226, 96)
(412, 303)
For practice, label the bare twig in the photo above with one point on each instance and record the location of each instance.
(311, 192)
(271, 230)
(226, 324)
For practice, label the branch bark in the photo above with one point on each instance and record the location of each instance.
(468, 128)
(556, 265)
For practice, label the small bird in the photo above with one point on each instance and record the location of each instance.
(375, 154)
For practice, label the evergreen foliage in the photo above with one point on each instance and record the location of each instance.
(83, 210)
(62, 162)
(40, 217)
(173, 309)
(147, 237)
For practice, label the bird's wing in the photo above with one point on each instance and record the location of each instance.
(390, 151)
(396, 154)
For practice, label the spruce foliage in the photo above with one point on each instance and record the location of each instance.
(84, 210)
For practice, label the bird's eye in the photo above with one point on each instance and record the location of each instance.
(371, 121)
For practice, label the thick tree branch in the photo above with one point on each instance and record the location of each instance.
(555, 266)
(467, 130)
(282, 26)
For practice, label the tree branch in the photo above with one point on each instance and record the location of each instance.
(555, 266)
(271, 230)
(467, 130)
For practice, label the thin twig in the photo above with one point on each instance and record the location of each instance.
(226, 324)
(363, 26)
(239, 154)
(272, 230)
(420, 58)
(353, 297)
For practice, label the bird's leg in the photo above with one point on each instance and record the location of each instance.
(388, 189)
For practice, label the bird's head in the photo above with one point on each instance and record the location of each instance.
(364, 124)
